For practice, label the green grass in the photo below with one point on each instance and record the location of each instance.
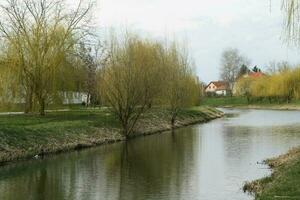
(20, 107)
(242, 102)
(224, 101)
(27, 135)
(285, 180)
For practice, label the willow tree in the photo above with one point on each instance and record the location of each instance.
(8, 85)
(130, 78)
(40, 34)
(181, 88)
(259, 87)
(288, 84)
(243, 87)
(292, 20)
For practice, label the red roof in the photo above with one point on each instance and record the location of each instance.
(221, 85)
(256, 74)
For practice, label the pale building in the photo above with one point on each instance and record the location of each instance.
(219, 88)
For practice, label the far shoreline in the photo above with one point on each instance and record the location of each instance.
(35, 144)
(263, 107)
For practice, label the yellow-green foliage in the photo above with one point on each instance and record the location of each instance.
(259, 87)
(283, 85)
(39, 37)
(296, 75)
(142, 73)
(243, 86)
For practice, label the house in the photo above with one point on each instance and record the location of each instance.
(218, 88)
(75, 98)
(254, 74)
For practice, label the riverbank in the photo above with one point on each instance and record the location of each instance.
(242, 103)
(25, 136)
(266, 107)
(284, 183)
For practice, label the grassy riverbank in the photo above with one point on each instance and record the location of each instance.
(284, 183)
(241, 102)
(24, 136)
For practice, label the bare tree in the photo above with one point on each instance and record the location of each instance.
(231, 62)
(90, 55)
(276, 67)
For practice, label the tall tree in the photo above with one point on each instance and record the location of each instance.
(231, 62)
(90, 57)
(41, 34)
(130, 79)
(243, 71)
(181, 87)
(256, 69)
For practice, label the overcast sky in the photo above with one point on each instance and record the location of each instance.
(207, 27)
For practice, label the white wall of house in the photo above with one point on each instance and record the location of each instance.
(68, 98)
(221, 92)
(75, 98)
(211, 88)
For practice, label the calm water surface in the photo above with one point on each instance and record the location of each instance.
(205, 162)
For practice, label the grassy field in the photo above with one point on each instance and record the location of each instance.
(28, 135)
(241, 102)
(284, 182)
(224, 101)
(20, 107)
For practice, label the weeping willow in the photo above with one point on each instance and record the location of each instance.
(291, 11)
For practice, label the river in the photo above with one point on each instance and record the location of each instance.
(207, 162)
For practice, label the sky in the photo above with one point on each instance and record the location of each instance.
(206, 28)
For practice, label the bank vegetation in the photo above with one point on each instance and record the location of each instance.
(49, 52)
(284, 183)
(280, 87)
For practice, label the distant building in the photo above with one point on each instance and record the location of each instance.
(75, 98)
(218, 88)
(254, 74)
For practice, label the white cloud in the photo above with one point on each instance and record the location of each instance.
(209, 26)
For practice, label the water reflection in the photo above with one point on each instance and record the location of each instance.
(151, 167)
(210, 161)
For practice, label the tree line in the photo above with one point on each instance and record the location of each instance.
(140, 74)
(48, 50)
(280, 87)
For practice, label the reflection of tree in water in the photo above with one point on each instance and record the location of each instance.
(66, 176)
(154, 166)
(32, 183)
(242, 142)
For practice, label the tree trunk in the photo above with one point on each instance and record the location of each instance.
(28, 102)
(173, 120)
(125, 130)
(42, 107)
(87, 100)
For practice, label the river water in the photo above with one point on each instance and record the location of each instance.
(206, 162)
